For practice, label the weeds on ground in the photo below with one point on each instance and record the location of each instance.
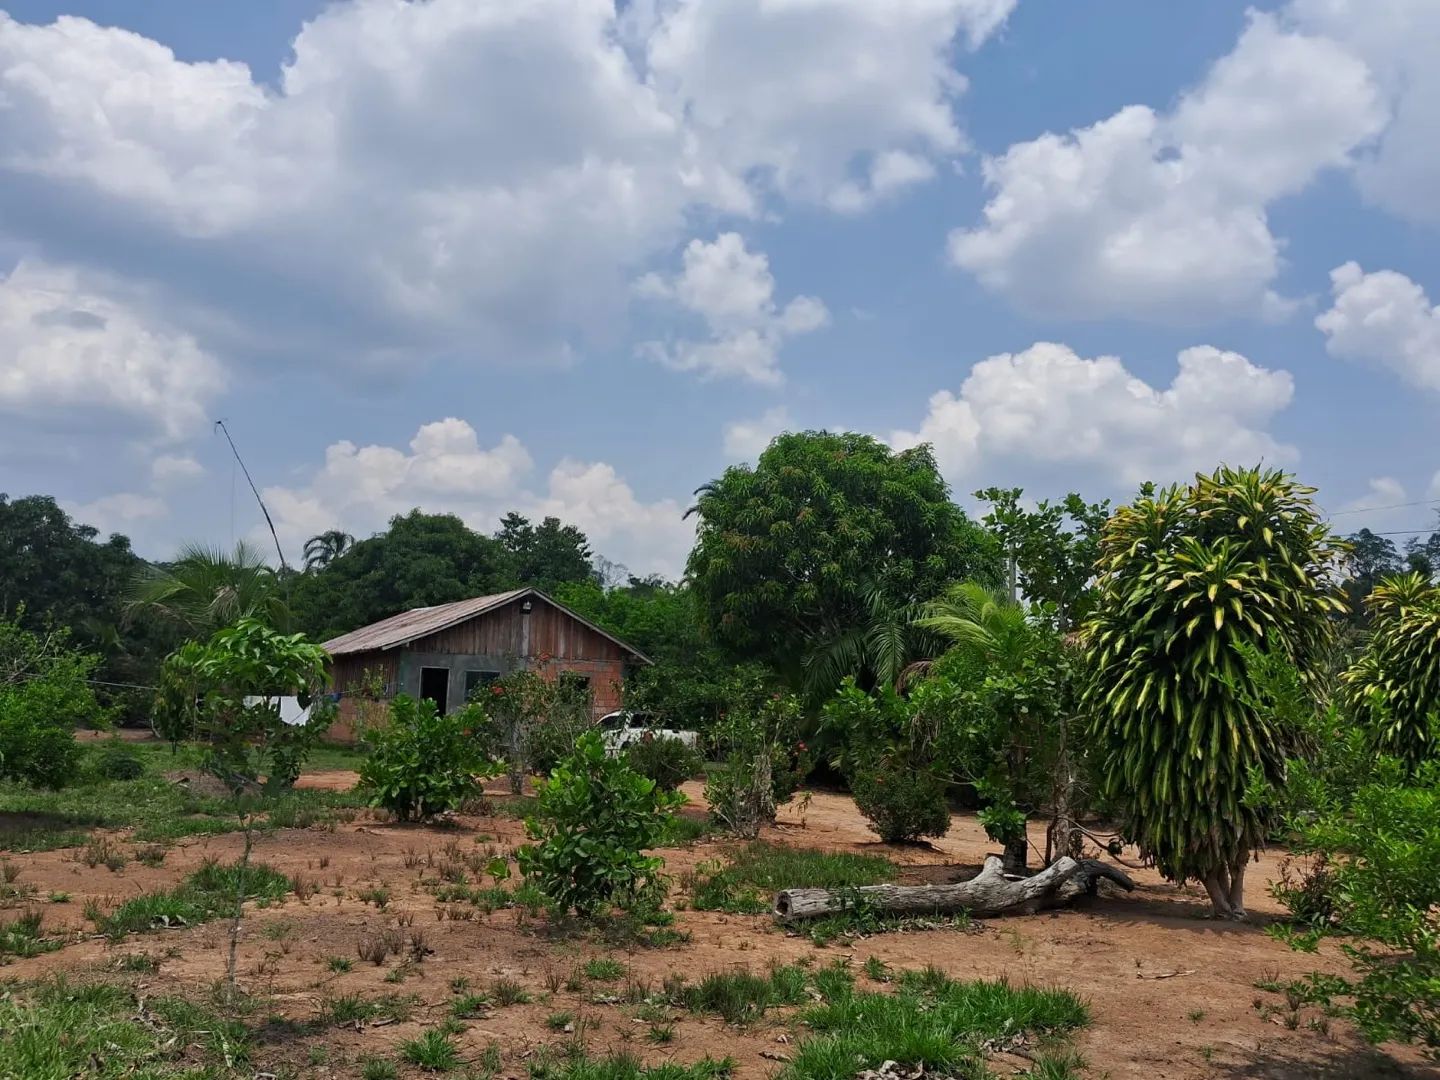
(206, 894)
(742, 997)
(23, 936)
(433, 1050)
(746, 885)
(373, 1068)
(56, 1029)
(509, 992)
(936, 1022)
(580, 1066)
(604, 969)
(357, 1009)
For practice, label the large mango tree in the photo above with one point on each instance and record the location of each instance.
(1190, 576)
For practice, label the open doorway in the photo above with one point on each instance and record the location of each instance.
(435, 685)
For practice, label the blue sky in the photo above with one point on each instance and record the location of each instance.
(574, 259)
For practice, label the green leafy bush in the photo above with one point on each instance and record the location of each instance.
(43, 696)
(594, 819)
(669, 762)
(116, 761)
(424, 763)
(226, 693)
(534, 722)
(1377, 885)
(900, 802)
(765, 760)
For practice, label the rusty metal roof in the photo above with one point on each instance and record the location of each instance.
(408, 626)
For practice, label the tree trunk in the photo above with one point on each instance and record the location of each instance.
(1219, 894)
(1017, 854)
(1236, 894)
(987, 894)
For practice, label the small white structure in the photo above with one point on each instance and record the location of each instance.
(291, 711)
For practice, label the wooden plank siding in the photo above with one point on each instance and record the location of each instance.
(553, 644)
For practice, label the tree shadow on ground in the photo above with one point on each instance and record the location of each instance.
(1319, 1060)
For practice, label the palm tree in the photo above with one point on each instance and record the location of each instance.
(877, 647)
(324, 548)
(996, 632)
(205, 589)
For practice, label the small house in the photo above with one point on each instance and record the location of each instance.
(448, 651)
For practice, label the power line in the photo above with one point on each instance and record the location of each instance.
(1391, 506)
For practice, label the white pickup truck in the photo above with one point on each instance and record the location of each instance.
(620, 729)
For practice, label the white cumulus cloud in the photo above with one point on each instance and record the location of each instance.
(481, 176)
(732, 290)
(1383, 318)
(1047, 412)
(446, 470)
(1164, 215)
(746, 440)
(1398, 40)
(70, 350)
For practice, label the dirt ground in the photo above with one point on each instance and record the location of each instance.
(1173, 993)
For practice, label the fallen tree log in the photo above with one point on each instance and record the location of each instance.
(987, 894)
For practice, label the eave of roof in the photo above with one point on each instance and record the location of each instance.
(400, 630)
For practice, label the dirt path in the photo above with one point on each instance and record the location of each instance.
(1173, 994)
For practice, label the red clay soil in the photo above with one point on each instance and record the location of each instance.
(1173, 993)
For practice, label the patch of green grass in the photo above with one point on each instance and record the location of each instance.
(682, 830)
(142, 962)
(931, 1021)
(377, 895)
(509, 992)
(604, 969)
(433, 1050)
(56, 1029)
(469, 1006)
(626, 1067)
(158, 809)
(1061, 1065)
(208, 892)
(559, 1021)
(359, 1009)
(742, 996)
(746, 885)
(373, 1068)
(339, 964)
(23, 936)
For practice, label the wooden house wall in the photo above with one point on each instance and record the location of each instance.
(553, 634)
(557, 643)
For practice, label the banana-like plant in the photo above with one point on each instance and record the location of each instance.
(1393, 689)
(1188, 577)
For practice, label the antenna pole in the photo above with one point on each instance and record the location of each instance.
(226, 431)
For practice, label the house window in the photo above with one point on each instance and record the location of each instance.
(573, 680)
(478, 681)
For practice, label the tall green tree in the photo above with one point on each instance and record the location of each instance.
(324, 548)
(1394, 685)
(1049, 552)
(420, 560)
(61, 570)
(1014, 673)
(687, 685)
(544, 555)
(65, 574)
(1422, 554)
(1370, 558)
(206, 588)
(1190, 578)
(828, 537)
